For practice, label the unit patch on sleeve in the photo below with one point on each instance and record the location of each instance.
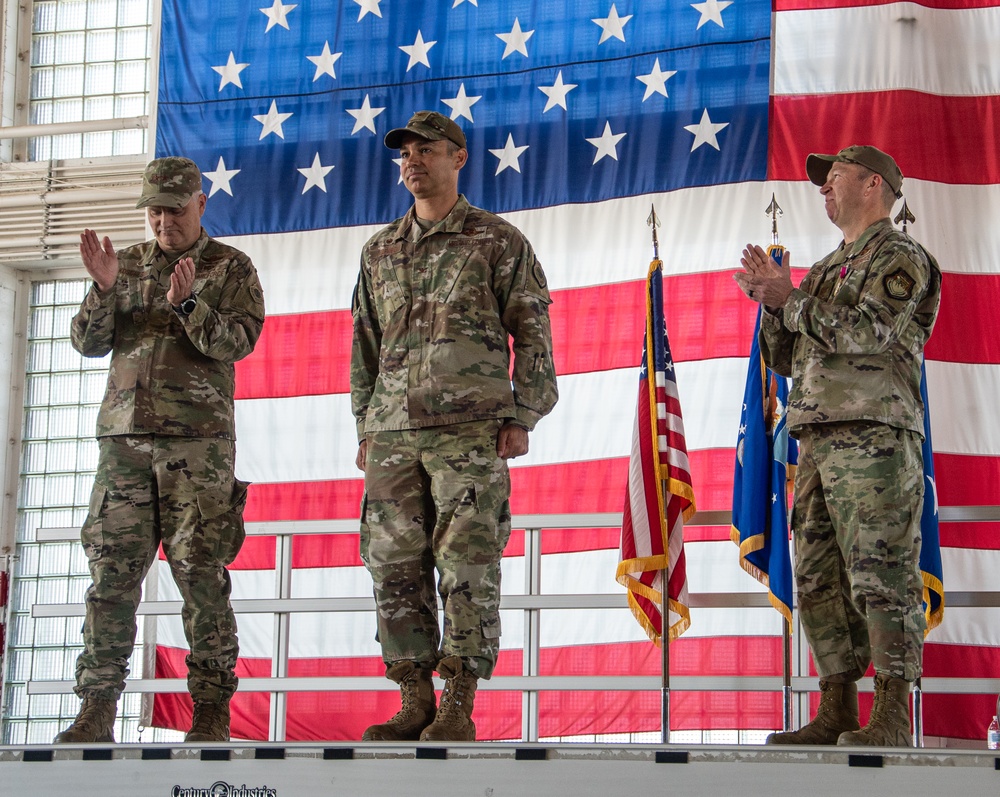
(899, 285)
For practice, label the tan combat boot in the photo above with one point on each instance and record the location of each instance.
(889, 723)
(837, 713)
(94, 723)
(210, 722)
(416, 687)
(454, 716)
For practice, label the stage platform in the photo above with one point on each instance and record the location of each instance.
(490, 769)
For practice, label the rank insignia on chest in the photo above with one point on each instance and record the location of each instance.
(899, 285)
(479, 238)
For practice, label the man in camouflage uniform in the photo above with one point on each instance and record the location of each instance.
(852, 338)
(175, 313)
(440, 291)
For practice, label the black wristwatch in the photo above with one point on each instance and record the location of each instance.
(186, 307)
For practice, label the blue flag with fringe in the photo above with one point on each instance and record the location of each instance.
(930, 547)
(765, 457)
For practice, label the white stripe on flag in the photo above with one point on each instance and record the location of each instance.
(891, 45)
(297, 447)
(711, 567)
(339, 634)
(963, 401)
(315, 271)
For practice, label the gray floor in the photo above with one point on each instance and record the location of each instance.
(491, 770)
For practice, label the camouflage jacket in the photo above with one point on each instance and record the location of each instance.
(852, 335)
(172, 375)
(432, 315)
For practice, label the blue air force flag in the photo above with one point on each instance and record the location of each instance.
(764, 453)
(930, 546)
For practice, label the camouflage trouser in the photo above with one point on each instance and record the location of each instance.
(180, 492)
(437, 498)
(858, 500)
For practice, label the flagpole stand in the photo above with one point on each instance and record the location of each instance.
(918, 714)
(665, 716)
(786, 666)
(664, 660)
(905, 216)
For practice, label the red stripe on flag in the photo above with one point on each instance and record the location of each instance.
(984, 536)
(594, 486)
(964, 480)
(896, 120)
(959, 716)
(341, 550)
(498, 714)
(566, 713)
(595, 329)
(306, 354)
(597, 486)
(968, 302)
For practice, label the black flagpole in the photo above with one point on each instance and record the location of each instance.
(654, 222)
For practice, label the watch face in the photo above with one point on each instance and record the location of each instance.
(188, 305)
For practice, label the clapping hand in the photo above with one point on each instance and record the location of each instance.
(99, 259)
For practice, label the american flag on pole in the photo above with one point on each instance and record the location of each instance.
(704, 109)
(659, 496)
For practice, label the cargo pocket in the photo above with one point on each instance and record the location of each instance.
(388, 292)
(365, 537)
(480, 525)
(489, 627)
(222, 520)
(92, 532)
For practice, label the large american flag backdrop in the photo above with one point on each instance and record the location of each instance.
(580, 115)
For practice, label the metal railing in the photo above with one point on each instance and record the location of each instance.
(531, 603)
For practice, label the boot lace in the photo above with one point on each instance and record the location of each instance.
(829, 704)
(408, 696)
(207, 719)
(880, 708)
(91, 716)
(884, 709)
(455, 692)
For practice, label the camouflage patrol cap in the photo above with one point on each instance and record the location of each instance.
(818, 166)
(430, 125)
(169, 183)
